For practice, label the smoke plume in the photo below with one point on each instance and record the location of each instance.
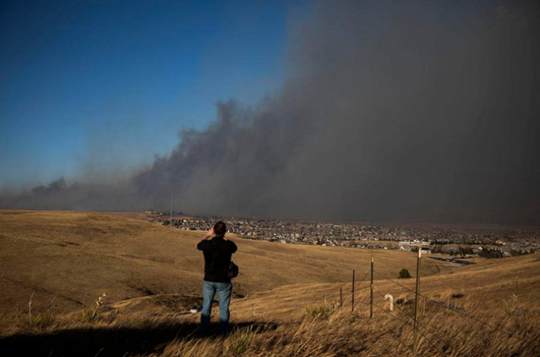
(390, 112)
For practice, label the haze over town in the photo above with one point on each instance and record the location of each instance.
(383, 112)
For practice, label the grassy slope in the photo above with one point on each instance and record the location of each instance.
(78, 255)
(485, 288)
(486, 323)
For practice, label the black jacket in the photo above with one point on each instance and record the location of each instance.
(217, 256)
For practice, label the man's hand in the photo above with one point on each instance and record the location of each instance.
(209, 234)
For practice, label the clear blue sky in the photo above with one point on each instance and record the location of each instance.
(87, 84)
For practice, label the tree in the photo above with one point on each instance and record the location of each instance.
(404, 274)
(491, 253)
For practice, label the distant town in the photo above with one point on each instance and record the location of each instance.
(496, 242)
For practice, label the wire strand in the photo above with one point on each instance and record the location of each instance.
(440, 304)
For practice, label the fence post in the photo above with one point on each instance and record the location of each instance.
(171, 209)
(418, 267)
(353, 290)
(340, 297)
(371, 296)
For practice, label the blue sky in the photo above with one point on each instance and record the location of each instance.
(89, 85)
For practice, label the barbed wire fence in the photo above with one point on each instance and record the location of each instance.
(420, 331)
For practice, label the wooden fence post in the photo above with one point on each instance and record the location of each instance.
(371, 295)
(418, 268)
(352, 291)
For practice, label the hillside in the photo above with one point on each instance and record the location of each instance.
(287, 301)
(75, 257)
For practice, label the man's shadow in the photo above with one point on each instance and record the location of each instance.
(111, 341)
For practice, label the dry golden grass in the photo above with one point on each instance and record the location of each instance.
(479, 326)
(151, 274)
(77, 256)
(354, 334)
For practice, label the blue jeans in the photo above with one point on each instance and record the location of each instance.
(224, 292)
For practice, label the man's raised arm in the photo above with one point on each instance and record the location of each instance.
(208, 235)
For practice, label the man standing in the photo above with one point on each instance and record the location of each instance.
(217, 257)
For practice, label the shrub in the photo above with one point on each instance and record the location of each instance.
(239, 341)
(39, 319)
(511, 305)
(88, 314)
(321, 311)
(43, 319)
(404, 274)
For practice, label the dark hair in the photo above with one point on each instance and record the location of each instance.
(220, 229)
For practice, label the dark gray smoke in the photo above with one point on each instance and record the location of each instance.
(390, 112)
